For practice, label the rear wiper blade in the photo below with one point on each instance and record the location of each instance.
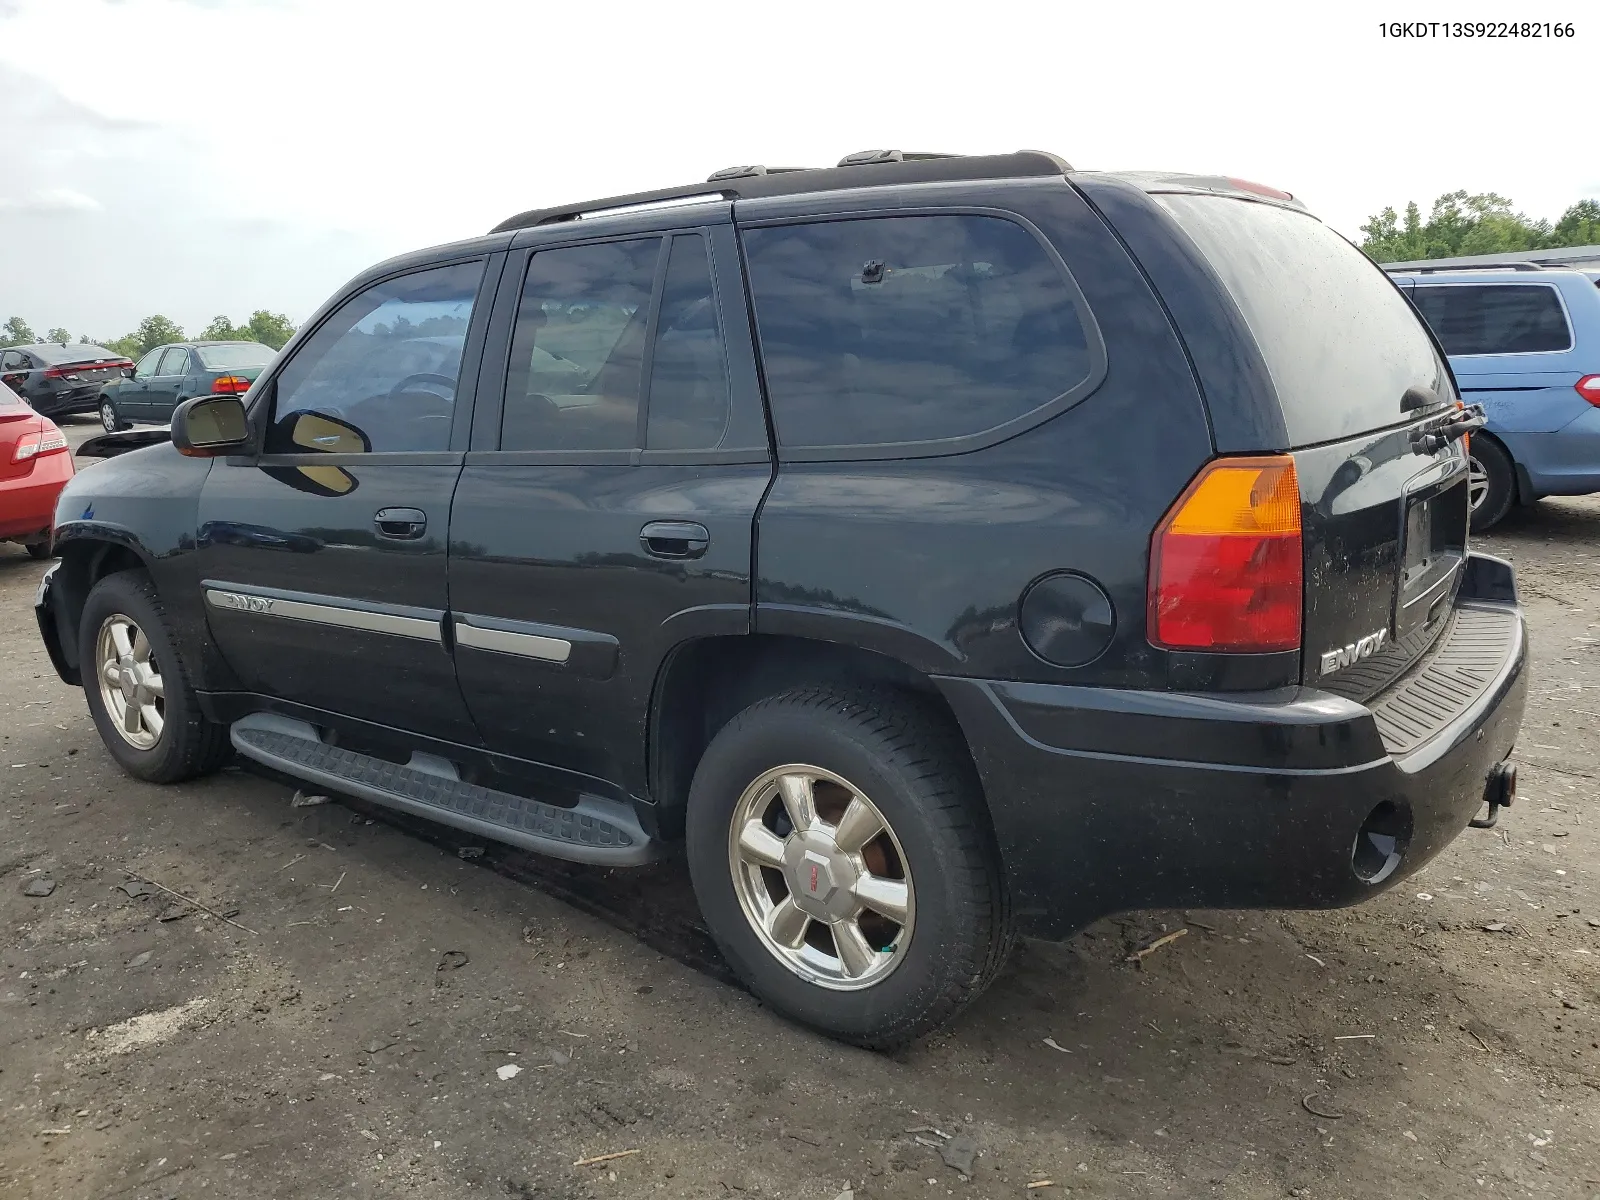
(1432, 436)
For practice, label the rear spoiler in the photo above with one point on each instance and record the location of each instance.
(109, 445)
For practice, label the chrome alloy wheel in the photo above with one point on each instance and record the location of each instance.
(108, 417)
(821, 877)
(130, 682)
(1477, 484)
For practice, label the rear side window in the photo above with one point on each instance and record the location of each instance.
(1338, 338)
(577, 354)
(689, 371)
(1495, 318)
(888, 330)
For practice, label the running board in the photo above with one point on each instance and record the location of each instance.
(595, 830)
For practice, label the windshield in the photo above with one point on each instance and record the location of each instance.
(1340, 341)
(235, 354)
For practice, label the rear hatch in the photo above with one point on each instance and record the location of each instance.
(1359, 380)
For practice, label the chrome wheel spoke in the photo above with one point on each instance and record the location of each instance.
(111, 673)
(758, 844)
(889, 897)
(799, 801)
(787, 924)
(132, 725)
(859, 825)
(121, 640)
(154, 685)
(856, 956)
(150, 717)
(141, 647)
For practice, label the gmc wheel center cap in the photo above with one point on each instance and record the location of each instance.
(820, 876)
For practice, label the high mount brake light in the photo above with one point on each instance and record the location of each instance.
(1226, 561)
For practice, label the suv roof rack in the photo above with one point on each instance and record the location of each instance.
(1514, 265)
(866, 168)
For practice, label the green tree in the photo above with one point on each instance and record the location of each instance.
(222, 329)
(1484, 223)
(268, 328)
(58, 334)
(17, 332)
(156, 331)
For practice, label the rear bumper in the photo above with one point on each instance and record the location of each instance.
(28, 504)
(65, 404)
(1106, 800)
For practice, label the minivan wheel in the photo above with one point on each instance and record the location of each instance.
(845, 865)
(1491, 483)
(138, 693)
(109, 421)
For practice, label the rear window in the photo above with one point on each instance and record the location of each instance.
(244, 354)
(1340, 341)
(1495, 318)
(82, 352)
(887, 330)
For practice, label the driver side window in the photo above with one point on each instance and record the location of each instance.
(147, 364)
(385, 363)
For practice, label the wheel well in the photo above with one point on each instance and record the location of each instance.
(1521, 490)
(705, 683)
(84, 564)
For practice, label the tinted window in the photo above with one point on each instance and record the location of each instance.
(13, 360)
(901, 329)
(385, 363)
(1340, 341)
(82, 352)
(147, 364)
(1495, 318)
(174, 362)
(242, 354)
(689, 370)
(578, 349)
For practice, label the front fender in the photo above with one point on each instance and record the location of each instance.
(45, 612)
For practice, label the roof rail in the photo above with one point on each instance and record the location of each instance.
(866, 169)
(1514, 265)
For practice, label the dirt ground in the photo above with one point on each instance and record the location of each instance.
(382, 1017)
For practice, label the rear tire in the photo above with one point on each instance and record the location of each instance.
(1493, 479)
(110, 420)
(872, 979)
(139, 694)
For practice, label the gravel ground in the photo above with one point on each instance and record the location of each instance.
(380, 1017)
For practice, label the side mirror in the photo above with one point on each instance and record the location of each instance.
(209, 426)
(127, 372)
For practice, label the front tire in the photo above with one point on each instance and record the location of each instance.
(845, 865)
(110, 421)
(1491, 483)
(139, 696)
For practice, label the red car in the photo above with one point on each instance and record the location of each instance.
(35, 464)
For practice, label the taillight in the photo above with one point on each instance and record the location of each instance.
(61, 372)
(231, 384)
(32, 445)
(1260, 189)
(1589, 388)
(1225, 562)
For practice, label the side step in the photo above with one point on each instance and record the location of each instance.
(594, 831)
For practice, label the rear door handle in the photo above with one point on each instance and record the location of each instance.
(674, 539)
(401, 524)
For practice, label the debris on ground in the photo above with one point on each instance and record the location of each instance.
(1138, 956)
(1306, 1103)
(601, 1158)
(301, 800)
(509, 1071)
(136, 888)
(138, 960)
(559, 1058)
(469, 852)
(39, 888)
(958, 1153)
(175, 912)
(452, 960)
(1055, 1045)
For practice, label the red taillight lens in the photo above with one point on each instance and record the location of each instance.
(231, 384)
(1225, 562)
(58, 372)
(32, 445)
(1260, 189)
(1589, 388)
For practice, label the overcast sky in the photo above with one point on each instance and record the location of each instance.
(196, 157)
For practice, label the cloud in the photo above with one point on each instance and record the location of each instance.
(52, 202)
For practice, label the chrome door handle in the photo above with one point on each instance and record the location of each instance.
(401, 524)
(674, 539)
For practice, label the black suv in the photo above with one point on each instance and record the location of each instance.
(939, 547)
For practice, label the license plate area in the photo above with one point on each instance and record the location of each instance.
(1433, 545)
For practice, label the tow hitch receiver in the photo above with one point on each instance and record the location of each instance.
(1499, 790)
